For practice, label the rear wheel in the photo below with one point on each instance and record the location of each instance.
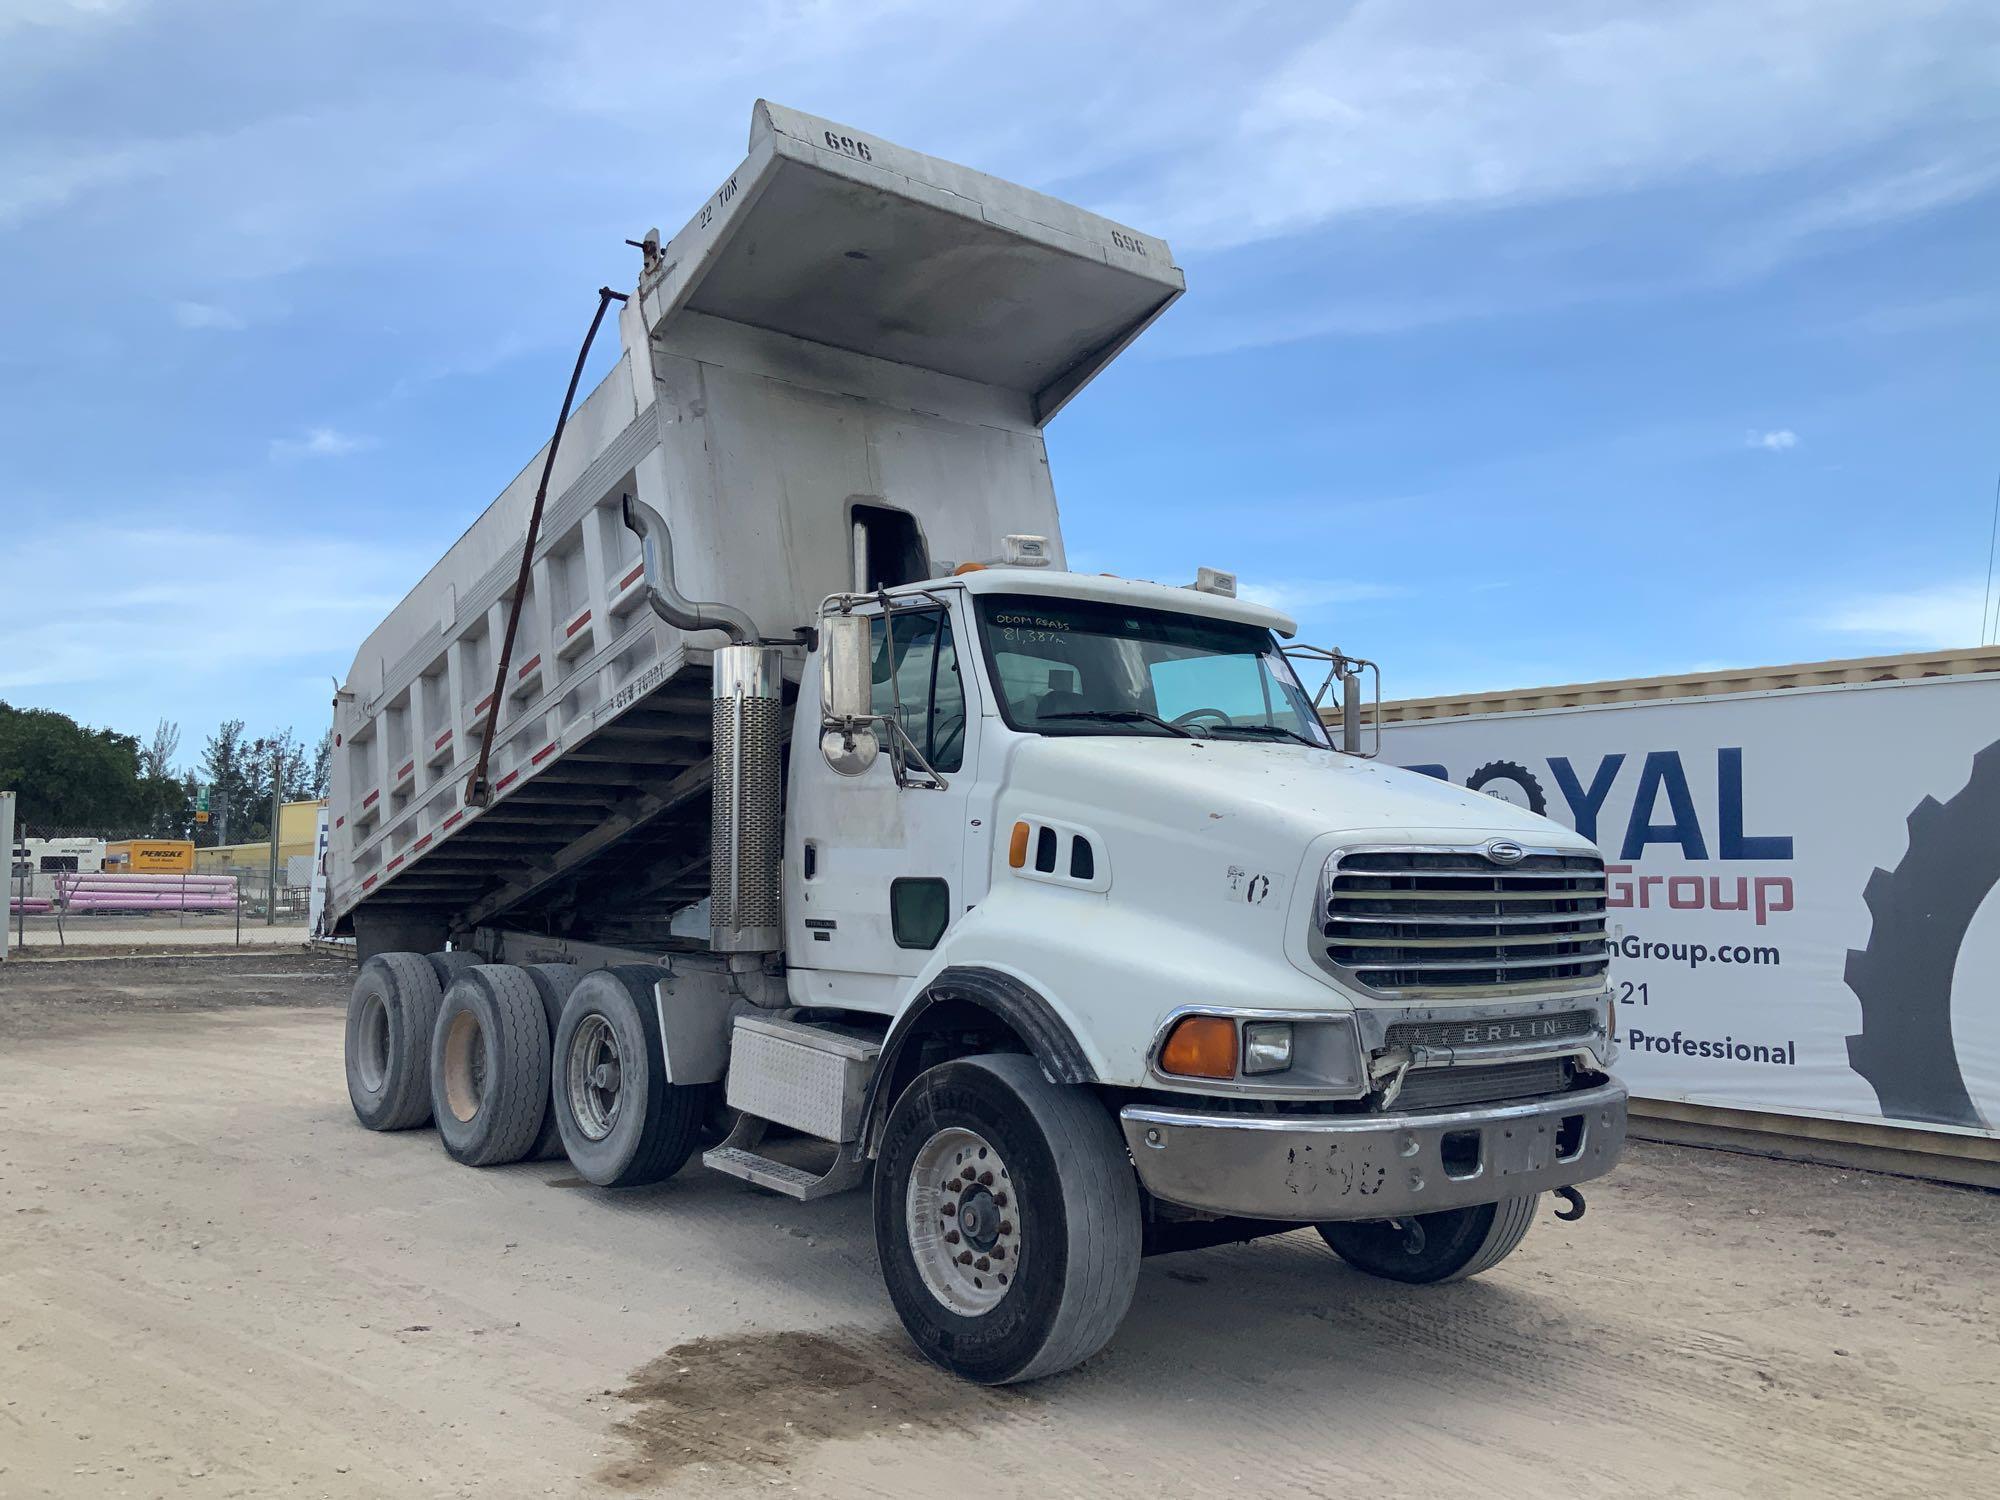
(554, 983)
(448, 966)
(390, 1014)
(1427, 1248)
(490, 1066)
(1006, 1220)
(622, 1123)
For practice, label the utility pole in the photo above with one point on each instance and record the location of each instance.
(13, 883)
(277, 807)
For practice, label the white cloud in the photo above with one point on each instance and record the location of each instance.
(33, 183)
(1294, 595)
(145, 607)
(203, 315)
(60, 14)
(319, 442)
(1398, 107)
(1940, 617)
(1777, 440)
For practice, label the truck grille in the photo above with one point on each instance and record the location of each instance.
(1442, 1088)
(1491, 1031)
(1402, 921)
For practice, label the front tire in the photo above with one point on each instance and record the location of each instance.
(1007, 1220)
(622, 1123)
(1451, 1246)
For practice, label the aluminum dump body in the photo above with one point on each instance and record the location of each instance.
(848, 341)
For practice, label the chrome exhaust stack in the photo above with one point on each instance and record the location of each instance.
(746, 735)
(746, 827)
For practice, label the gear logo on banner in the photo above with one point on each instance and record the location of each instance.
(1923, 910)
(1510, 782)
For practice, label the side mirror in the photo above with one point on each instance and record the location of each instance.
(846, 695)
(846, 686)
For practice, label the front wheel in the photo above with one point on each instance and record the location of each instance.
(1427, 1248)
(1007, 1220)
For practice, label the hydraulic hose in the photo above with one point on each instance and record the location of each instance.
(478, 793)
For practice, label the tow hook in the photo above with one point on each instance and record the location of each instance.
(1413, 1236)
(1574, 1199)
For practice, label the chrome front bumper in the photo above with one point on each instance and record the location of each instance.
(1316, 1168)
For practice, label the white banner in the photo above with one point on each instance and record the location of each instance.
(316, 893)
(1802, 885)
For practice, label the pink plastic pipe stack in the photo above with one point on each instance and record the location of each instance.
(115, 893)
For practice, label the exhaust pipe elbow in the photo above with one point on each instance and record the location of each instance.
(656, 550)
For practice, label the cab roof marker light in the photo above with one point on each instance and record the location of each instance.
(1214, 581)
(1024, 550)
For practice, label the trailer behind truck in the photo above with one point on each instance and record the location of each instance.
(771, 792)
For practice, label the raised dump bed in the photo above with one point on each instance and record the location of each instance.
(835, 375)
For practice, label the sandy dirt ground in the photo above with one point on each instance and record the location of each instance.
(213, 1282)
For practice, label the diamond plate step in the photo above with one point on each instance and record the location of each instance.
(735, 1158)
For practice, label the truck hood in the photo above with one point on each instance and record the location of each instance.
(1273, 792)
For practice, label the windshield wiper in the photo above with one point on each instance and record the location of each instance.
(1121, 716)
(1265, 729)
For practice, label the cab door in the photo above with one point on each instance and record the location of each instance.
(874, 870)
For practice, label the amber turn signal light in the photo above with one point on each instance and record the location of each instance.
(1201, 1047)
(1017, 846)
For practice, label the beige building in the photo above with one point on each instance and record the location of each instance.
(298, 823)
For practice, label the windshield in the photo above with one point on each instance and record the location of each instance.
(1074, 666)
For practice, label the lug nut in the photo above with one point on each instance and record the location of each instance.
(949, 1209)
(1006, 1226)
(999, 1252)
(986, 1179)
(951, 1236)
(999, 1200)
(965, 1257)
(982, 1264)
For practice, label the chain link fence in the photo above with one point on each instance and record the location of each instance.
(77, 889)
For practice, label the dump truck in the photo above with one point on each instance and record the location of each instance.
(754, 781)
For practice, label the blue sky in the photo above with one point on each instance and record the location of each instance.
(1524, 343)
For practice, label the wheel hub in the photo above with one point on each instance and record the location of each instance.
(373, 1059)
(978, 1219)
(963, 1222)
(594, 1077)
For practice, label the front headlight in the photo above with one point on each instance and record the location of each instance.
(1284, 1054)
(1267, 1046)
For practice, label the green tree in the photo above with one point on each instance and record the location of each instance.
(70, 778)
(322, 767)
(224, 767)
(157, 757)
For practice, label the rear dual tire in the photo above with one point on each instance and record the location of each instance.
(622, 1123)
(554, 983)
(391, 1014)
(489, 1066)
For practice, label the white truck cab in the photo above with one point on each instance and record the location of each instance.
(1045, 897)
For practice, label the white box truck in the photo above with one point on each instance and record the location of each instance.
(1044, 895)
